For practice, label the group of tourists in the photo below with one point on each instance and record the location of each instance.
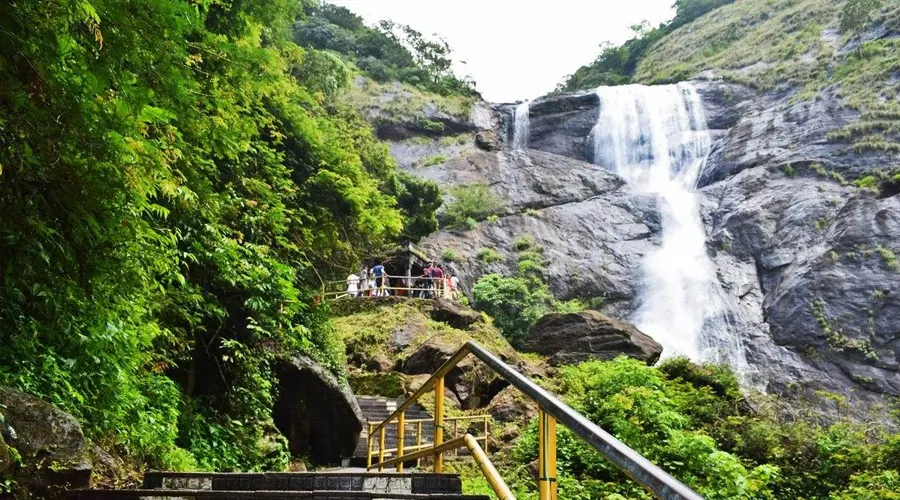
(433, 283)
(369, 282)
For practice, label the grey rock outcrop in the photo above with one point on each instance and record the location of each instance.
(54, 452)
(472, 384)
(572, 338)
(454, 314)
(316, 412)
(592, 230)
(806, 261)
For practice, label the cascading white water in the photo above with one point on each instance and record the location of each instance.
(656, 138)
(523, 125)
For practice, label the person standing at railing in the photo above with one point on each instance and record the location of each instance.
(353, 285)
(454, 287)
(364, 282)
(437, 279)
(381, 282)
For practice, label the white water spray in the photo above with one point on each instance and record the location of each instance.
(656, 138)
(523, 125)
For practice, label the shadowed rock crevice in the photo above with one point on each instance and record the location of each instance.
(316, 412)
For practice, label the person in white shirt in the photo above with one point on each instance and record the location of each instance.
(364, 282)
(454, 287)
(353, 285)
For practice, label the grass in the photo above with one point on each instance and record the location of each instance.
(489, 255)
(401, 103)
(434, 160)
(767, 43)
(889, 257)
(523, 242)
(449, 255)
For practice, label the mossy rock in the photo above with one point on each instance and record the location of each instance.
(388, 385)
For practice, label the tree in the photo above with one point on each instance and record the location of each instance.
(856, 16)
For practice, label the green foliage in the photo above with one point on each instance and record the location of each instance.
(515, 303)
(386, 52)
(889, 257)
(489, 255)
(691, 421)
(616, 65)
(475, 201)
(523, 242)
(449, 255)
(856, 16)
(789, 170)
(180, 175)
(434, 160)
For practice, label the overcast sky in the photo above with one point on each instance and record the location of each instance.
(518, 49)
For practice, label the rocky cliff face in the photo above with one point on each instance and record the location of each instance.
(805, 258)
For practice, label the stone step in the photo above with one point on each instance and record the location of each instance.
(375, 410)
(255, 495)
(384, 482)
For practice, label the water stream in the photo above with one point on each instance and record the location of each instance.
(522, 125)
(656, 138)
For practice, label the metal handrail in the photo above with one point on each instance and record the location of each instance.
(552, 409)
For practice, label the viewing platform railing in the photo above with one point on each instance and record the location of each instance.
(431, 288)
(551, 411)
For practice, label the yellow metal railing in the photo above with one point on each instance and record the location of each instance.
(551, 410)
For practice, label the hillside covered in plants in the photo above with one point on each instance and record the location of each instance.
(177, 181)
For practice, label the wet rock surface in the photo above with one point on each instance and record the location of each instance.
(804, 258)
(572, 338)
(592, 230)
(52, 446)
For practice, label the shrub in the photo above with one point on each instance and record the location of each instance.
(434, 160)
(515, 303)
(433, 126)
(475, 201)
(449, 255)
(489, 255)
(523, 242)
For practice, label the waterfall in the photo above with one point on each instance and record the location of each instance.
(523, 125)
(656, 138)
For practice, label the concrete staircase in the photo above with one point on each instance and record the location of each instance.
(376, 410)
(344, 485)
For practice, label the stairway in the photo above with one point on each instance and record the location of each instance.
(344, 485)
(375, 410)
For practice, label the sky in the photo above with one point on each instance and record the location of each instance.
(518, 50)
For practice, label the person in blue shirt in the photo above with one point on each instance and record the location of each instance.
(380, 280)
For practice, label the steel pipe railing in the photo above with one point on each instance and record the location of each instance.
(552, 410)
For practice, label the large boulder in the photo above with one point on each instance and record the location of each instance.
(471, 382)
(576, 337)
(512, 406)
(316, 411)
(454, 314)
(54, 452)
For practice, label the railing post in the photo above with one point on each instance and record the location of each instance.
(381, 449)
(369, 447)
(455, 434)
(401, 438)
(418, 439)
(439, 423)
(486, 427)
(547, 485)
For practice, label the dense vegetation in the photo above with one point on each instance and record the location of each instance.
(695, 422)
(516, 303)
(616, 65)
(176, 179)
(388, 52)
